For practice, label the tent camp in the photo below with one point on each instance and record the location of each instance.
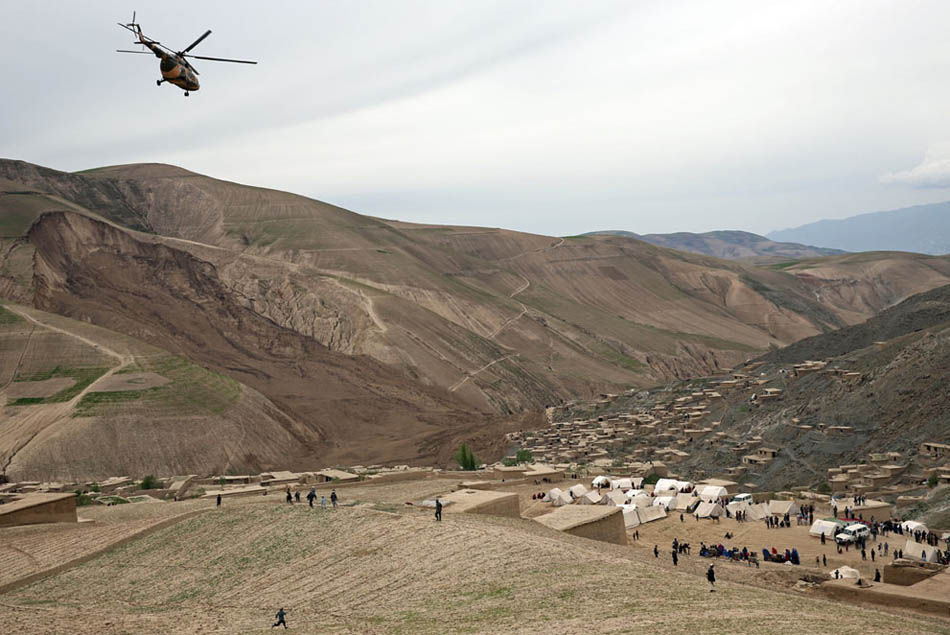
(600, 481)
(707, 509)
(635, 492)
(738, 506)
(577, 491)
(918, 551)
(614, 497)
(649, 514)
(846, 572)
(666, 502)
(910, 526)
(553, 493)
(713, 493)
(780, 508)
(562, 499)
(826, 527)
(685, 502)
(592, 497)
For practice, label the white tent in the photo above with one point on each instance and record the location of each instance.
(919, 551)
(621, 483)
(671, 484)
(713, 493)
(614, 497)
(685, 502)
(738, 506)
(631, 518)
(641, 500)
(758, 512)
(709, 510)
(562, 499)
(601, 481)
(826, 527)
(666, 502)
(553, 493)
(910, 526)
(590, 498)
(649, 514)
(635, 492)
(846, 572)
(577, 491)
(780, 508)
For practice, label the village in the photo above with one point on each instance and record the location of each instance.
(619, 476)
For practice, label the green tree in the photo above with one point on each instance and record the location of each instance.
(149, 482)
(932, 481)
(524, 456)
(464, 457)
(824, 488)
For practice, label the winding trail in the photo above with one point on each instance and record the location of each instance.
(524, 309)
(472, 373)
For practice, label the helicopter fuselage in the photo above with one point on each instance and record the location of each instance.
(174, 70)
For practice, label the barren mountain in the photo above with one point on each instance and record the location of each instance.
(731, 245)
(923, 228)
(383, 340)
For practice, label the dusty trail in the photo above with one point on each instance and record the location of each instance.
(471, 374)
(524, 309)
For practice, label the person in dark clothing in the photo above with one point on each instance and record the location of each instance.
(675, 558)
(297, 496)
(711, 576)
(311, 495)
(219, 501)
(334, 498)
(438, 509)
(281, 613)
(656, 551)
(290, 497)
(824, 560)
(877, 575)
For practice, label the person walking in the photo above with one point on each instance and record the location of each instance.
(334, 498)
(281, 614)
(323, 502)
(312, 494)
(656, 551)
(290, 497)
(297, 496)
(438, 509)
(711, 577)
(676, 559)
(219, 501)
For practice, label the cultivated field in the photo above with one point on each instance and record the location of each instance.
(381, 566)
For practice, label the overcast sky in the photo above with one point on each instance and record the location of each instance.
(545, 116)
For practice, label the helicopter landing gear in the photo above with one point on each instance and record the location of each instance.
(186, 93)
(158, 82)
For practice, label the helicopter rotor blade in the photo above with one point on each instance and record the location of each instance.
(220, 59)
(139, 52)
(197, 42)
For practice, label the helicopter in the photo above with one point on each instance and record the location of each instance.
(175, 67)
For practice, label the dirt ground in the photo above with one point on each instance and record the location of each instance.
(377, 565)
(130, 381)
(45, 388)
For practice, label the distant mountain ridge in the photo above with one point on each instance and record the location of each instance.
(923, 229)
(729, 244)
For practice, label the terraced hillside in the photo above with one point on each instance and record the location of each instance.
(360, 570)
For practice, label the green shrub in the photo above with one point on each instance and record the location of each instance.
(465, 459)
(932, 481)
(824, 488)
(524, 456)
(150, 482)
(651, 480)
(509, 462)
(95, 488)
(83, 499)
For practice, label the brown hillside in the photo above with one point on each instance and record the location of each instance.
(506, 321)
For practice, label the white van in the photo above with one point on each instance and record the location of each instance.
(743, 498)
(853, 533)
